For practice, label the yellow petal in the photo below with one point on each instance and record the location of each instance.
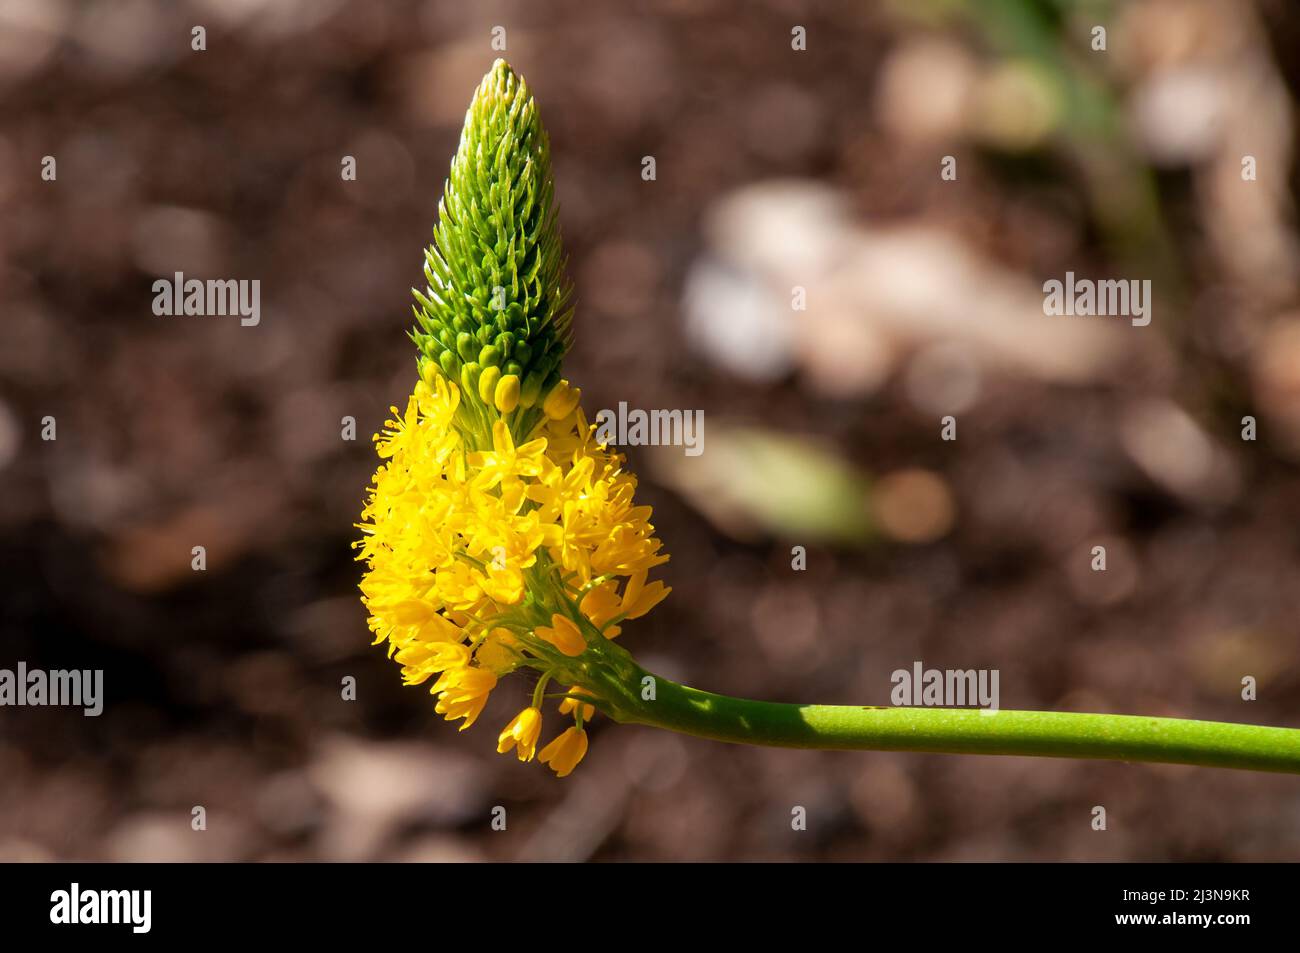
(502, 442)
(649, 597)
(565, 752)
(564, 635)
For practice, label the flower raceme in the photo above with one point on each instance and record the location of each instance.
(498, 534)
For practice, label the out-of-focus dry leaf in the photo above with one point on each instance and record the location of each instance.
(751, 480)
(872, 294)
(1175, 451)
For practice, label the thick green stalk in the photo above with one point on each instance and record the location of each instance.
(968, 731)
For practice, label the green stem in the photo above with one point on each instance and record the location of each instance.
(968, 731)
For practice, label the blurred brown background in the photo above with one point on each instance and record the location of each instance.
(775, 168)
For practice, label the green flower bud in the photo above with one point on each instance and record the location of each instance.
(469, 378)
(531, 389)
(465, 346)
(447, 361)
(497, 293)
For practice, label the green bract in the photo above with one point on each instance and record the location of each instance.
(498, 301)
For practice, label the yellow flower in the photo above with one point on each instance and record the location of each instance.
(571, 704)
(464, 692)
(504, 586)
(522, 732)
(561, 400)
(505, 460)
(563, 634)
(499, 652)
(564, 753)
(600, 605)
(419, 659)
(638, 598)
(481, 551)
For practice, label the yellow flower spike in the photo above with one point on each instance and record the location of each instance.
(564, 753)
(506, 397)
(569, 705)
(493, 500)
(561, 400)
(521, 734)
(563, 634)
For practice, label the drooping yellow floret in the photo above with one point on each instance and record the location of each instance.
(521, 734)
(570, 705)
(565, 751)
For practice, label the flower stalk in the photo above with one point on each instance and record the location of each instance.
(970, 731)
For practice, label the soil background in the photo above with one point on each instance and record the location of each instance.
(775, 168)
